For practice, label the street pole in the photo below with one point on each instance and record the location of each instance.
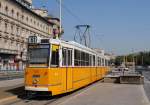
(142, 60)
(133, 60)
(60, 15)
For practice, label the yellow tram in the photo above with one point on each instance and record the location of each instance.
(56, 66)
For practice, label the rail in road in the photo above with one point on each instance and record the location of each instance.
(34, 101)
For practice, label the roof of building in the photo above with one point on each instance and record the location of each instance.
(15, 1)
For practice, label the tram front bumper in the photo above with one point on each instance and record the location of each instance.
(31, 88)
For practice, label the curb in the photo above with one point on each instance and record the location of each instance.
(8, 99)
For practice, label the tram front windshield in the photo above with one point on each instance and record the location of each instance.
(38, 55)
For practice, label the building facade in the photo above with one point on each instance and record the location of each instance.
(17, 22)
(55, 21)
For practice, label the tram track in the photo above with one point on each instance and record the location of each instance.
(34, 101)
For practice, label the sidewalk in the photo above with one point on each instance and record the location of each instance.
(11, 83)
(6, 75)
(10, 89)
(109, 94)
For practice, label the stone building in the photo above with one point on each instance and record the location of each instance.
(17, 22)
(55, 21)
(40, 11)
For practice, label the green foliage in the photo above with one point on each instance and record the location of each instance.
(140, 58)
(118, 60)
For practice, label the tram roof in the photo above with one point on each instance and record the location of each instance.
(74, 44)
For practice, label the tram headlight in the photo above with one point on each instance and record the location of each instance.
(35, 81)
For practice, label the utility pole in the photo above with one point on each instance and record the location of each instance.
(60, 15)
(142, 60)
(124, 59)
(133, 59)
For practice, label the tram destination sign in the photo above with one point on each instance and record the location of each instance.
(38, 46)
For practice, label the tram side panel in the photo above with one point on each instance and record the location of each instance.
(98, 71)
(58, 80)
(69, 79)
(93, 74)
(81, 77)
(103, 71)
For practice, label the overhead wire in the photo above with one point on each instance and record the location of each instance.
(70, 12)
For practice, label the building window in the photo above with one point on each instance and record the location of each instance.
(46, 28)
(12, 28)
(6, 26)
(17, 15)
(0, 24)
(6, 10)
(34, 22)
(38, 24)
(22, 17)
(27, 19)
(0, 5)
(12, 12)
(17, 30)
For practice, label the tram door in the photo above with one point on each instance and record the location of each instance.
(67, 62)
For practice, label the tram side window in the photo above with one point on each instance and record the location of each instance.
(93, 60)
(90, 62)
(64, 55)
(99, 61)
(55, 56)
(103, 61)
(87, 59)
(67, 57)
(82, 58)
(77, 58)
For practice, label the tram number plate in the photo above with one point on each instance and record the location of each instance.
(36, 76)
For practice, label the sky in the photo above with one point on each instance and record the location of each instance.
(117, 26)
